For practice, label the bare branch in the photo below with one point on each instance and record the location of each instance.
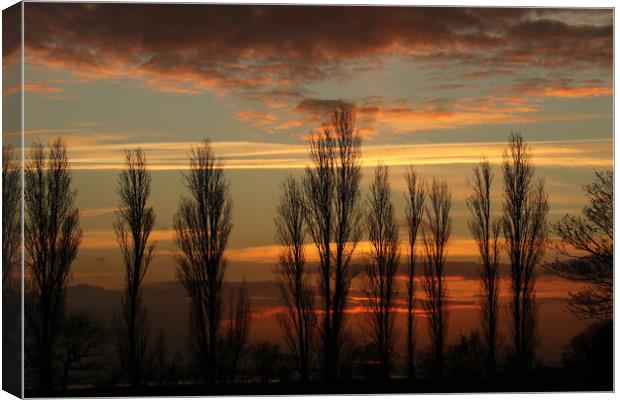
(11, 212)
(436, 234)
(52, 239)
(298, 322)
(81, 346)
(587, 246)
(525, 231)
(381, 267)
(485, 232)
(134, 224)
(331, 187)
(202, 226)
(236, 335)
(414, 212)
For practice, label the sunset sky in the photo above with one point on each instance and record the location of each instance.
(436, 87)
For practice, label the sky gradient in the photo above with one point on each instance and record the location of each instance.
(436, 87)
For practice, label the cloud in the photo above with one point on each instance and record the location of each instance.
(458, 248)
(559, 87)
(452, 113)
(11, 36)
(36, 87)
(97, 212)
(574, 92)
(92, 151)
(448, 113)
(548, 42)
(273, 51)
(257, 118)
(318, 107)
(487, 73)
(106, 239)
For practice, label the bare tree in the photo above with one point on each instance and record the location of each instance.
(414, 212)
(380, 283)
(236, 334)
(52, 238)
(11, 212)
(11, 261)
(80, 347)
(266, 361)
(167, 369)
(133, 226)
(298, 321)
(587, 245)
(331, 187)
(525, 231)
(202, 226)
(436, 234)
(485, 232)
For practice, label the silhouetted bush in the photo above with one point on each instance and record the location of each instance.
(590, 355)
(167, 369)
(80, 349)
(466, 358)
(266, 358)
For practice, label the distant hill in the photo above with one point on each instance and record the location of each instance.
(167, 307)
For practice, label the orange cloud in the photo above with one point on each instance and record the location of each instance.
(559, 87)
(373, 113)
(257, 118)
(103, 152)
(106, 239)
(268, 254)
(438, 115)
(38, 87)
(575, 92)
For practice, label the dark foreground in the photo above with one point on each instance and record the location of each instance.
(548, 384)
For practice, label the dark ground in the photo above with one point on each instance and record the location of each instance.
(550, 383)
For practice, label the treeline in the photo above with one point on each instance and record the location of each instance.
(323, 211)
(326, 206)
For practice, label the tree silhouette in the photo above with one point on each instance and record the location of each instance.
(81, 344)
(298, 321)
(414, 212)
(380, 269)
(436, 234)
(525, 230)
(202, 226)
(331, 186)
(266, 360)
(167, 370)
(11, 259)
(587, 243)
(133, 226)
(485, 232)
(236, 333)
(465, 359)
(11, 212)
(52, 238)
(589, 356)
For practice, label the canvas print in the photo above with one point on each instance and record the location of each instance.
(205, 199)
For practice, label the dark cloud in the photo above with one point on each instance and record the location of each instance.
(258, 49)
(323, 107)
(555, 43)
(11, 33)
